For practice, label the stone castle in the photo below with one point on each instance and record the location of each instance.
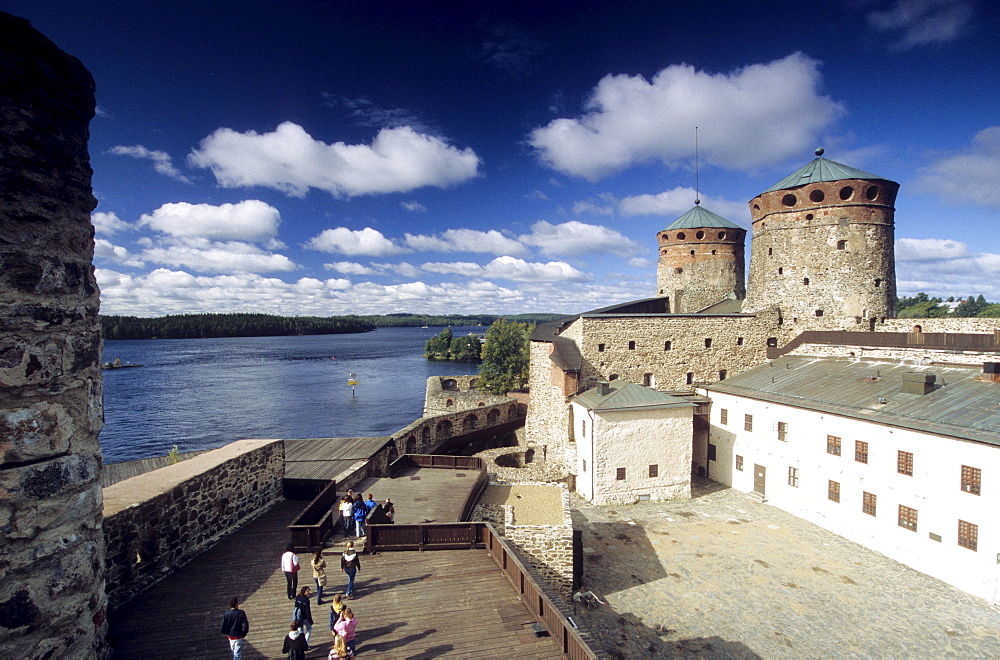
(821, 259)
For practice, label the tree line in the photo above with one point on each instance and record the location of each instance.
(922, 306)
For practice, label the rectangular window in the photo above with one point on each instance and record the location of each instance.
(739, 462)
(860, 451)
(833, 491)
(600, 348)
(723, 416)
(748, 422)
(690, 377)
(620, 474)
(904, 463)
(666, 345)
(971, 478)
(654, 470)
(583, 428)
(711, 452)
(708, 342)
(907, 518)
(833, 445)
(793, 477)
(783, 431)
(631, 346)
(868, 504)
(968, 535)
(584, 462)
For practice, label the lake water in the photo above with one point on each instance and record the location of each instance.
(205, 393)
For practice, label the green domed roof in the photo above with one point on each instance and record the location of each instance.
(819, 170)
(699, 217)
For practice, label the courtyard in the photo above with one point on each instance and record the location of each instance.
(724, 575)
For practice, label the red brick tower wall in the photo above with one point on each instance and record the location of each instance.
(825, 250)
(699, 267)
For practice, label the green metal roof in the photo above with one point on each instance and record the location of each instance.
(700, 217)
(961, 405)
(628, 396)
(819, 170)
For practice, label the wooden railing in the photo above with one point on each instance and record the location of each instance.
(316, 521)
(548, 609)
(436, 461)
(935, 340)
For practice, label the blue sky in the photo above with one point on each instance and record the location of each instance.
(314, 157)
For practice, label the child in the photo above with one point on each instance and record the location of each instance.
(336, 609)
(345, 628)
(339, 650)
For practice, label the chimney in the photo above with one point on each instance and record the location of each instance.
(991, 372)
(918, 383)
(603, 387)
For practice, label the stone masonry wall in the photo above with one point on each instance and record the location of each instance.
(548, 420)
(449, 394)
(52, 602)
(158, 521)
(548, 548)
(912, 355)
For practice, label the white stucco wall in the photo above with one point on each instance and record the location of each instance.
(633, 440)
(934, 490)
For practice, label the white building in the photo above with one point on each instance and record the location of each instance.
(903, 459)
(633, 443)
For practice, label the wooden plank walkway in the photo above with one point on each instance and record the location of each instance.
(449, 603)
(422, 495)
(326, 458)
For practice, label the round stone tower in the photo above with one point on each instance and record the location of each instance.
(701, 261)
(823, 246)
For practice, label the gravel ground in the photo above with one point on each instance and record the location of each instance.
(533, 505)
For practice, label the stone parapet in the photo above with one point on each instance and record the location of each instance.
(160, 520)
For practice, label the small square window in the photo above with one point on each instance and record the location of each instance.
(783, 431)
(620, 474)
(860, 451)
(833, 491)
(868, 503)
(722, 374)
(708, 342)
(904, 463)
(739, 462)
(654, 470)
(690, 377)
(793, 477)
(833, 445)
(739, 341)
(971, 479)
(968, 535)
(748, 422)
(666, 345)
(600, 348)
(907, 518)
(631, 346)
(723, 416)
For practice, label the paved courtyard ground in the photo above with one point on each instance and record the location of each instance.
(723, 575)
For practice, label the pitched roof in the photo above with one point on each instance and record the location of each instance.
(819, 170)
(619, 395)
(961, 404)
(700, 217)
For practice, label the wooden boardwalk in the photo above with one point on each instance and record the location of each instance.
(447, 603)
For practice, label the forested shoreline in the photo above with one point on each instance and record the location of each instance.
(192, 326)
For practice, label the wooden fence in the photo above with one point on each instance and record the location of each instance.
(546, 608)
(316, 521)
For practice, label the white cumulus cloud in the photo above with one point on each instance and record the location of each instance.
(971, 176)
(752, 117)
(513, 269)
(104, 249)
(162, 162)
(288, 159)
(364, 242)
(915, 23)
(249, 220)
(350, 268)
(576, 238)
(945, 267)
(108, 223)
(466, 240)
(218, 257)
(414, 207)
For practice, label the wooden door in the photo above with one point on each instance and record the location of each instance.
(759, 475)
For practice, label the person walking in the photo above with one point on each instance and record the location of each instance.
(302, 612)
(290, 567)
(347, 514)
(345, 628)
(295, 645)
(235, 627)
(319, 574)
(336, 609)
(350, 564)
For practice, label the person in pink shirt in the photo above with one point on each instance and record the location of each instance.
(345, 628)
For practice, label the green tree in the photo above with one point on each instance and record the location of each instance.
(438, 347)
(505, 357)
(466, 348)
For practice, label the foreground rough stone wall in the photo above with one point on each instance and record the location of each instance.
(52, 601)
(158, 521)
(449, 394)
